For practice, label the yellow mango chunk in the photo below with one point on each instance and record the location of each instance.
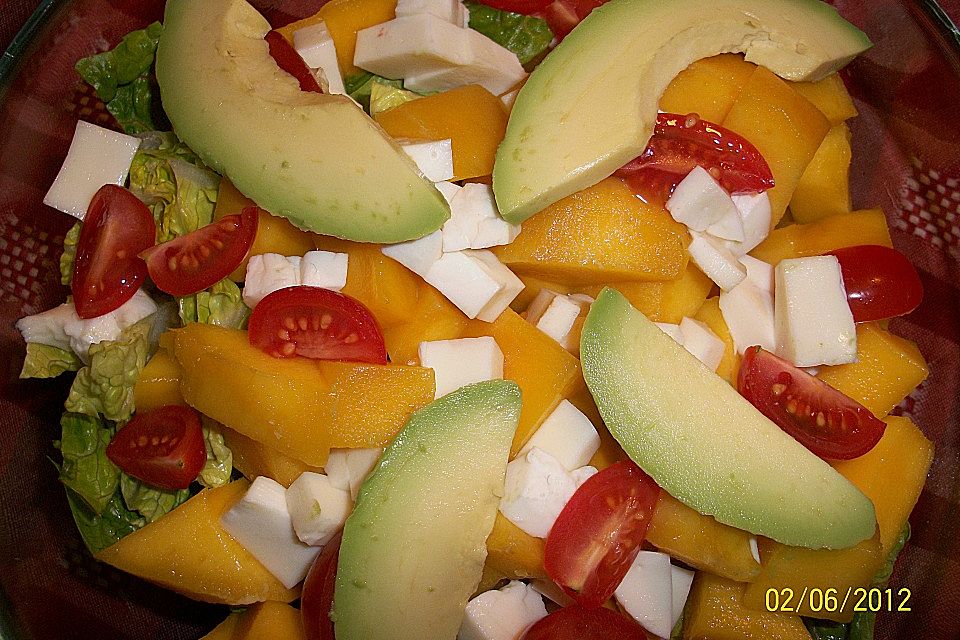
(270, 621)
(212, 566)
(714, 612)
(224, 630)
(254, 459)
(710, 314)
(297, 406)
(159, 383)
(816, 238)
(343, 19)
(784, 126)
(892, 475)
(489, 579)
(543, 369)
(824, 187)
(472, 117)
(514, 553)
(665, 301)
(435, 318)
(708, 87)
(701, 541)
(387, 288)
(274, 234)
(601, 234)
(887, 369)
(830, 96)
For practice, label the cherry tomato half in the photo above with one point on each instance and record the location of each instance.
(316, 600)
(880, 282)
(107, 271)
(163, 447)
(599, 532)
(564, 15)
(316, 323)
(290, 61)
(577, 623)
(825, 421)
(682, 142)
(202, 258)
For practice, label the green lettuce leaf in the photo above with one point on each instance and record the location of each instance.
(86, 470)
(105, 386)
(384, 97)
(149, 501)
(45, 361)
(221, 304)
(359, 86)
(134, 106)
(219, 465)
(174, 184)
(526, 36)
(99, 531)
(69, 254)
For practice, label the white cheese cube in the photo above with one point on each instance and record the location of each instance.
(755, 216)
(583, 474)
(475, 221)
(702, 342)
(491, 66)
(417, 255)
(511, 285)
(317, 508)
(434, 158)
(754, 549)
(502, 614)
(539, 305)
(672, 330)
(814, 324)
(448, 190)
(646, 592)
(759, 272)
(346, 469)
(96, 157)
(509, 98)
(465, 281)
(457, 363)
(448, 10)
(269, 272)
(316, 46)
(261, 523)
(412, 44)
(536, 488)
(558, 319)
(681, 580)
(324, 269)
(729, 227)
(748, 311)
(567, 435)
(699, 201)
(494, 232)
(716, 261)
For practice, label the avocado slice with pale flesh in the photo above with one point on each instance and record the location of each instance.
(591, 105)
(318, 160)
(705, 444)
(413, 549)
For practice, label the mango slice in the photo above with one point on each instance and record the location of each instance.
(270, 621)
(708, 87)
(159, 383)
(599, 235)
(435, 318)
(824, 187)
(710, 314)
(514, 553)
(253, 459)
(211, 567)
(845, 230)
(224, 630)
(665, 301)
(830, 96)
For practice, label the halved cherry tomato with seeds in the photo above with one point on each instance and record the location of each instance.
(599, 532)
(316, 600)
(316, 323)
(202, 258)
(682, 142)
(163, 447)
(290, 61)
(825, 421)
(108, 271)
(880, 282)
(577, 623)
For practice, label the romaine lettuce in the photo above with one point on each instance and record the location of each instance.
(222, 305)
(45, 361)
(360, 85)
(384, 97)
(69, 254)
(99, 531)
(526, 36)
(219, 465)
(86, 470)
(150, 502)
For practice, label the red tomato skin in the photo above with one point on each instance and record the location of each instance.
(680, 143)
(880, 282)
(107, 271)
(526, 7)
(564, 15)
(226, 242)
(290, 61)
(578, 623)
(795, 400)
(139, 448)
(316, 323)
(613, 510)
(316, 599)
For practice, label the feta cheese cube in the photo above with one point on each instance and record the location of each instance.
(759, 272)
(502, 614)
(447, 10)
(417, 255)
(475, 221)
(672, 330)
(465, 281)
(681, 580)
(434, 158)
(646, 592)
(699, 202)
(510, 288)
(96, 157)
(754, 549)
(702, 342)
(509, 98)
(346, 469)
(716, 261)
(324, 269)
(261, 523)
(317, 508)
(539, 304)
(457, 363)
(558, 319)
(448, 190)
(412, 44)
(317, 48)
(755, 217)
(748, 311)
(269, 272)
(814, 324)
(567, 435)
(536, 488)
(583, 474)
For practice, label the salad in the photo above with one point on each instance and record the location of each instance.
(500, 320)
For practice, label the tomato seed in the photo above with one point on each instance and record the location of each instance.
(165, 439)
(290, 323)
(217, 244)
(325, 321)
(302, 323)
(142, 441)
(155, 441)
(205, 251)
(283, 334)
(315, 323)
(172, 264)
(288, 349)
(778, 389)
(352, 338)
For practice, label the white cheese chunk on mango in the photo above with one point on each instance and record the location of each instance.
(457, 363)
(567, 435)
(536, 488)
(317, 508)
(318, 50)
(646, 592)
(716, 261)
(700, 203)
(755, 217)
(346, 469)
(702, 342)
(417, 255)
(502, 614)
(434, 158)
